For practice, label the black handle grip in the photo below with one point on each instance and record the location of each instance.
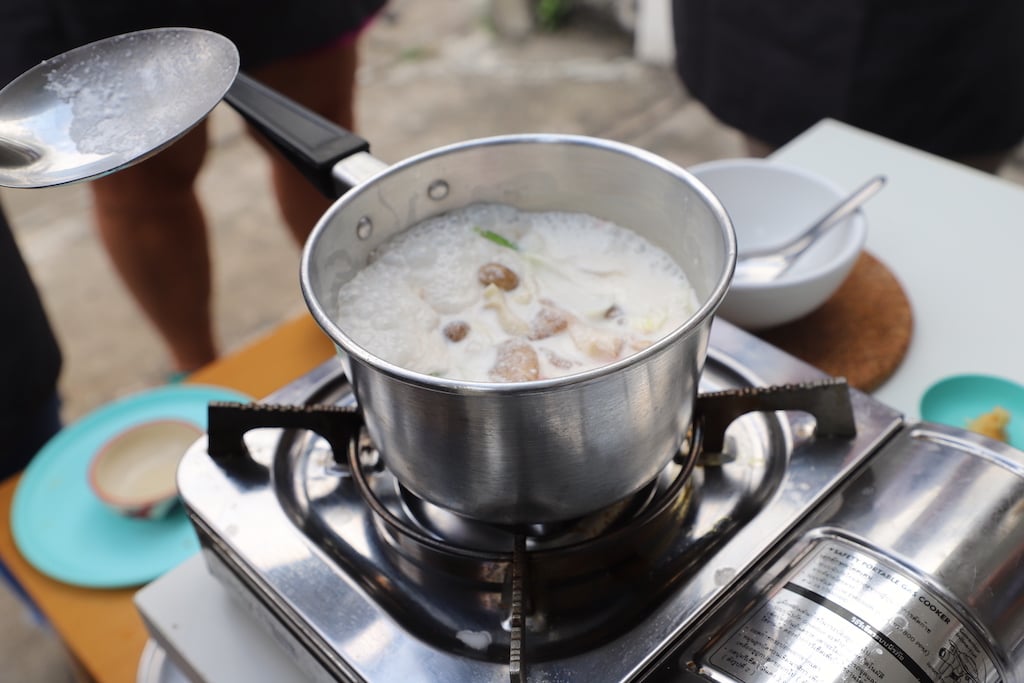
(309, 141)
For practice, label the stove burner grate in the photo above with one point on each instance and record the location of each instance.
(538, 585)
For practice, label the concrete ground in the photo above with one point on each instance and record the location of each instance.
(433, 72)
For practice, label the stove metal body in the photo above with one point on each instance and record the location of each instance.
(910, 571)
(291, 535)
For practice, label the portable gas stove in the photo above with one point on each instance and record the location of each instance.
(794, 549)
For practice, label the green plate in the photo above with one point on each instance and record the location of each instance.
(65, 532)
(956, 400)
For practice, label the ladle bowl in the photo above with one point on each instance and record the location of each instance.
(109, 104)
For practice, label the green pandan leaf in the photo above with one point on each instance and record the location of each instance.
(497, 239)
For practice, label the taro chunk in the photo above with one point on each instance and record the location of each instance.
(516, 362)
(548, 322)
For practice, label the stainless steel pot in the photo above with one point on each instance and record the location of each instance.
(546, 450)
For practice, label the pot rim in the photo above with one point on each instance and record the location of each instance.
(356, 352)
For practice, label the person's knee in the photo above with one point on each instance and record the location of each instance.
(170, 172)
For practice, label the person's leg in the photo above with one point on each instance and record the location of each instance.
(150, 220)
(756, 148)
(323, 81)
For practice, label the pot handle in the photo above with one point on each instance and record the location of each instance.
(228, 422)
(309, 141)
(827, 400)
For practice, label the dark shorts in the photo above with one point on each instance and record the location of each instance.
(263, 30)
(942, 75)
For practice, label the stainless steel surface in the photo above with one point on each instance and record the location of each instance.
(770, 264)
(357, 169)
(550, 449)
(310, 559)
(912, 568)
(97, 108)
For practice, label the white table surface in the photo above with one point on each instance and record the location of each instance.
(952, 236)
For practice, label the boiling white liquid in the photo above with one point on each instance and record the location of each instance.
(618, 292)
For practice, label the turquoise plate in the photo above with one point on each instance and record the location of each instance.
(956, 400)
(65, 532)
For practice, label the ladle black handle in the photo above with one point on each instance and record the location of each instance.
(309, 141)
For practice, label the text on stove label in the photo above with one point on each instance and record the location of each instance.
(845, 614)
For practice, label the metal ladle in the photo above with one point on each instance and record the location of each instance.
(768, 264)
(109, 104)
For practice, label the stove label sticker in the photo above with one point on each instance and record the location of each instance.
(847, 615)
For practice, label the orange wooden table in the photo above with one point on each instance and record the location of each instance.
(101, 627)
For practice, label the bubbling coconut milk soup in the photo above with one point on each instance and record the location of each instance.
(493, 294)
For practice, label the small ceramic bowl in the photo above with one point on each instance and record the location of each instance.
(134, 473)
(768, 203)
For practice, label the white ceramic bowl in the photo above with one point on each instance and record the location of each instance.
(134, 473)
(768, 203)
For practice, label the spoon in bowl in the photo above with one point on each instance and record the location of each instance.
(100, 107)
(766, 265)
